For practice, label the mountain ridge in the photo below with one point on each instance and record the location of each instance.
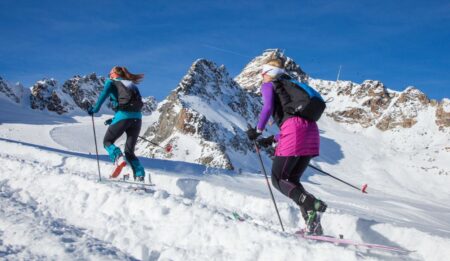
(206, 114)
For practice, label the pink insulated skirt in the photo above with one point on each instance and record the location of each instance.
(298, 137)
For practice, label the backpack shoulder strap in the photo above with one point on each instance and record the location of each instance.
(118, 84)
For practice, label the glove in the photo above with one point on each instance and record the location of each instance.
(108, 121)
(252, 133)
(90, 111)
(266, 142)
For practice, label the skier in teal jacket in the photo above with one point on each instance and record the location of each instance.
(121, 88)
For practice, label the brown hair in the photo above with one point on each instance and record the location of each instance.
(124, 73)
(276, 62)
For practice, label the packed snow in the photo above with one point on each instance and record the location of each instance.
(53, 206)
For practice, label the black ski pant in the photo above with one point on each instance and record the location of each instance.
(131, 127)
(286, 174)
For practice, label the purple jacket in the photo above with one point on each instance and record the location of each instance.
(297, 137)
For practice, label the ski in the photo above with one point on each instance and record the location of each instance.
(130, 182)
(347, 242)
(146, 187)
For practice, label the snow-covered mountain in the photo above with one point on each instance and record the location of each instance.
(203, 119)
(372, 104)
(205, 116)
(9, 92)
(150, 105)
(76, 94)
(250, 77)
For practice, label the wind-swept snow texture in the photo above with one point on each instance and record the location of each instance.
(54, 208)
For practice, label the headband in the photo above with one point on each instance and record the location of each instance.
(272, 71)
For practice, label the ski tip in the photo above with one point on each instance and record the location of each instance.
(364, 188)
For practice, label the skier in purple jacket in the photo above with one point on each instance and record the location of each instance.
(297, 143)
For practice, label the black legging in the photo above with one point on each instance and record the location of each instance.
(286, 174)
(131, 127)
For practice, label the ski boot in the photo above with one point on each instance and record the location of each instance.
(313, 226)
(311, 209)
(140, 179)
(313, 217)
(138, 171)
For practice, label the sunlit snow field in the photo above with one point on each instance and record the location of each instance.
(54, 207)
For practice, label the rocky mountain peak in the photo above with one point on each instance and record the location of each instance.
(46, 94)
(13, 93)
(208, 111)
(84, 90)
(413, 95)
(250, 77)
(150, 105)
(203, 73)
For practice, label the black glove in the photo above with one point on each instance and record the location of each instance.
(108, 121)
(252, 134)
(266, 142)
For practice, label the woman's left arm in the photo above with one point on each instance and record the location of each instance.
(103, 95)
(266, 111)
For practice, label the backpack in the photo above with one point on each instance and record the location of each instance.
(299, 99)
(129, 99)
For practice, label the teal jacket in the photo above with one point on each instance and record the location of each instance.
(110, 91)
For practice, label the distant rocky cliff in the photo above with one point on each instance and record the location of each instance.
(372, 104)
(76, 94)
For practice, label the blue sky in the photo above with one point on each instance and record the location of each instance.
(400, 43)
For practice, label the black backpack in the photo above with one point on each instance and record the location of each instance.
(299, 99)
(129, 99)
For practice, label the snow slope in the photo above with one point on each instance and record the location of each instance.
(53, 207)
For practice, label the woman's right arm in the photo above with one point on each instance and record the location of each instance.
(103, 95)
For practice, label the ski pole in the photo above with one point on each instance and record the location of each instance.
(363, 189)
(168, 148)
(268, 184)
(96, 149)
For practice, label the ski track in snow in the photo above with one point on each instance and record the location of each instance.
(162, 225)
(33, 234)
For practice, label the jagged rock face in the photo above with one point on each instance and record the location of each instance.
(46, 94)
(84, 90)
(78, 93)
(371, 97)
(13, 93)
(250, 78)
(404, 110)
(443, 114)
(372, 104)
(209, 110)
